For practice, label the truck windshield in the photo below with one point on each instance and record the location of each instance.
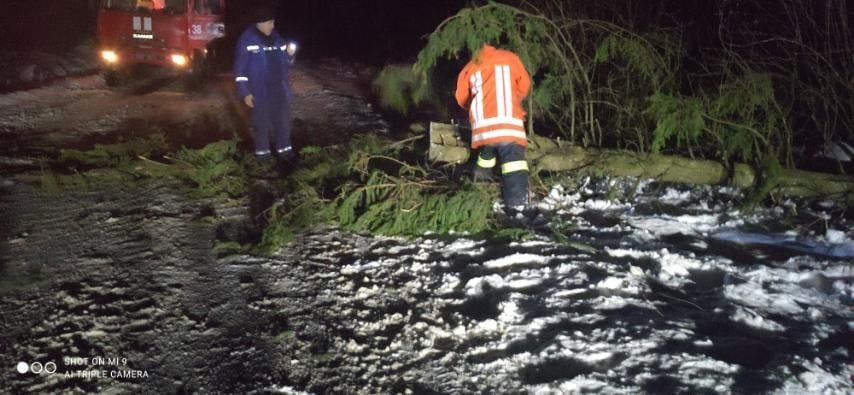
(208, 7)
(154, 6)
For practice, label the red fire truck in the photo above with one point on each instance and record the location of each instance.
(169, 33)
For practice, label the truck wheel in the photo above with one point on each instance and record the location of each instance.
(113, 78)
(200, 73)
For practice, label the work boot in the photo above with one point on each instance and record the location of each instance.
(263, 159)
(286, 162)
(535, 217)
(264, 165)
(525, 217)
(482, 174)
(288, 156)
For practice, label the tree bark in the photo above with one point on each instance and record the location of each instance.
(545, 154)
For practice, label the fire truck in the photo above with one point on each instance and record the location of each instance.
(176, 34)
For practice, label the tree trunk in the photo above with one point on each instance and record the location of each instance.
(545, 154)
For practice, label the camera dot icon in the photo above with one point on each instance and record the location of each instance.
(23, 367)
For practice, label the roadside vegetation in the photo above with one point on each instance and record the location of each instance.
(611, 75)
(370, 184)
(217, 170)
(645, 77)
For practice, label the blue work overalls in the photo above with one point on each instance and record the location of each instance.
(261, 69)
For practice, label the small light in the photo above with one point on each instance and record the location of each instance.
(110, 56)
(292, 47)
(179, 60)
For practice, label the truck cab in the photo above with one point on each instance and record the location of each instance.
(176, 34)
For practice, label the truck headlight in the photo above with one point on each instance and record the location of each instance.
(110, 56)
(179, 60)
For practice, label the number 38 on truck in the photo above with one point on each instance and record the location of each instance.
(174, 34)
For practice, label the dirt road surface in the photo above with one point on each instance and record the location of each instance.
(656, 289)
(129, 272)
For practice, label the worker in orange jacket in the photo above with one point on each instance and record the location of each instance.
(491, 87)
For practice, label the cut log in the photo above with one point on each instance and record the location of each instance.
(544, 154)
(446, 144)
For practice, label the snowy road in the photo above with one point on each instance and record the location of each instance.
(636, 301)
(637, 287)
(80, 112)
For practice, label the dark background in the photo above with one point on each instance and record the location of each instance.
(375, 31)
(385, 31)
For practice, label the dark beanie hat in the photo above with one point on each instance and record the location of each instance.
(263, 14)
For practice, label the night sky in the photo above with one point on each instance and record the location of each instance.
(376, 31)
(365, 29)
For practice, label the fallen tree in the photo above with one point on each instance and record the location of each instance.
(544, 155)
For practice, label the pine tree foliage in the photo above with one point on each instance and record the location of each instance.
(400, 87)
(119, 154)
(676, 117)
(389, 205)
(609, 74)
(742, 118)
(771, 177)
(753, 117)
(215, 169)
(529, 36)
(363, 186)
(564, 64)
(392, 197)
(360, 186)
(639, 56)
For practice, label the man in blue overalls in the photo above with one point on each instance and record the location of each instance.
(261, 72)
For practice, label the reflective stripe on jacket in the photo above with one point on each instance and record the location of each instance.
(492, 87)
(250, 62)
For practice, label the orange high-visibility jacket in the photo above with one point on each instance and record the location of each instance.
(492, 87)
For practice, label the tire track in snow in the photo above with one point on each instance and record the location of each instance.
(130, 273)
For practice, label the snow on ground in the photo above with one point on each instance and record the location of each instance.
(660, 303)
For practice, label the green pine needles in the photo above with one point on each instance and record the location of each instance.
(120, 154)
(607, 78)
(676, 117)
(400, 87)
(216, 170)
(389, 205)
(363, 187)
(743, 121)
(360, 186)
(611, 78)
(638, 55)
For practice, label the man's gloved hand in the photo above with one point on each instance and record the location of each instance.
(250, 101)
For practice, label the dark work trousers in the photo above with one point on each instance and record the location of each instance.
(514, 171)
(271, 118)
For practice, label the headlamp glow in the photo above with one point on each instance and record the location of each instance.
(110, 56)
(179, 60)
